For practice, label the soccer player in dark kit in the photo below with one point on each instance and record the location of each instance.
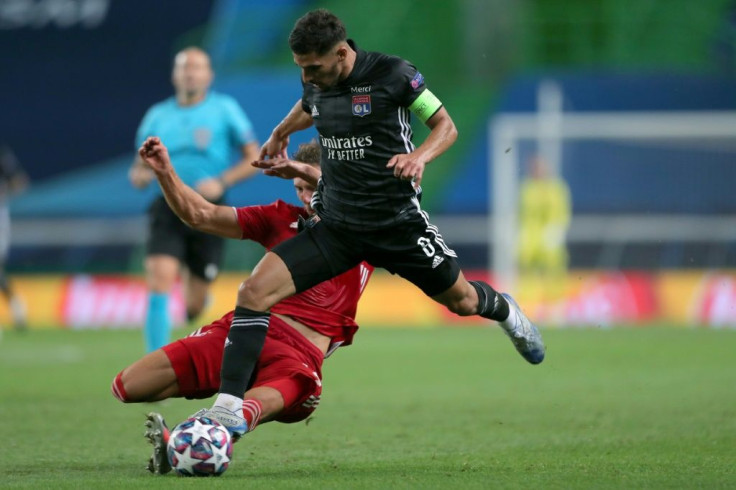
(367, 199)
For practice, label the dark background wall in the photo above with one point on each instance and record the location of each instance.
(77, 75)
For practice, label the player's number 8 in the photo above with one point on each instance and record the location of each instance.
(427, 246)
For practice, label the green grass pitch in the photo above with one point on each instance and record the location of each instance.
(440, 408)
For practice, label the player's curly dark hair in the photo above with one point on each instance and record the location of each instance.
(308, 153)
(316, 32)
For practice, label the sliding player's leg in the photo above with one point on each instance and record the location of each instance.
(287, 388)
(295, 265)
(188, 367)
(288, 363)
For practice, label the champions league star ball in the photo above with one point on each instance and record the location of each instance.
(199, 447)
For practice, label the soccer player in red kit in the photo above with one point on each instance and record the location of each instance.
(302, 331)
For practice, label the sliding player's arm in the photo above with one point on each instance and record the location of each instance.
(187, 204)
(290, 169)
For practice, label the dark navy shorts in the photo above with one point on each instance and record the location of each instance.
(414, 250)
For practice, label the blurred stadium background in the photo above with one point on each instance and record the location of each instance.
(653, 234)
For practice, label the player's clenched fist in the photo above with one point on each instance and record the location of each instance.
(155, 154)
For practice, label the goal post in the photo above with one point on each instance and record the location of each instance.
(507, 131)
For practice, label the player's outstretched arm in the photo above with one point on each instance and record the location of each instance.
(295, 120)
(187, 204)
(289, 169)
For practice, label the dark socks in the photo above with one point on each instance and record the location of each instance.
(491, 305)
(242, 349)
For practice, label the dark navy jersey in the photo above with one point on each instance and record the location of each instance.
(363, 121)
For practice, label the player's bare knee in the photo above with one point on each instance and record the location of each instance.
(252, 296)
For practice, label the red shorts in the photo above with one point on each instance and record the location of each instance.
(288, 363)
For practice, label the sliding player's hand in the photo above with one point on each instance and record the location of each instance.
(280, 167)
(155, 154)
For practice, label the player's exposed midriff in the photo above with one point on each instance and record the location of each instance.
(321, 341)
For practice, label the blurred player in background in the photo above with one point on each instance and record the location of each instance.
(303, 329)
(367, 199)
(13, 180)
(203, 129)
(545, 210)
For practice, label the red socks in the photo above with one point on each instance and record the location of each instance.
(252, 409)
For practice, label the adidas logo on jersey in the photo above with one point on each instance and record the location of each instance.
(438, 259)
(315, 112)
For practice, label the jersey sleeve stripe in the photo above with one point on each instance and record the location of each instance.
(406, 133)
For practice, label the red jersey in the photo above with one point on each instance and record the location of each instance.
(329, 307)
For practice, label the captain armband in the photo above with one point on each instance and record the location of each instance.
(425, 105)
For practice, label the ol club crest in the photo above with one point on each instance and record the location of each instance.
(361, 105)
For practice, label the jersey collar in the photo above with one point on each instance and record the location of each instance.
(359, 58)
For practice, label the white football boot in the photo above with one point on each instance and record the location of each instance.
(524, 335)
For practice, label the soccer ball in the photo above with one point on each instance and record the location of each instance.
(199, 446)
